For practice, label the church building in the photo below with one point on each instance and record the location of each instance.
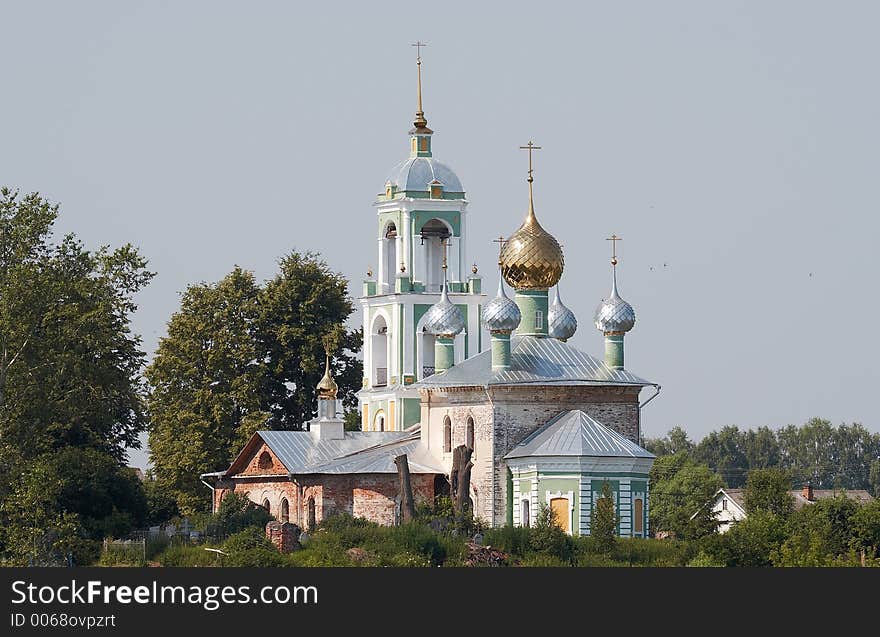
(445, 366)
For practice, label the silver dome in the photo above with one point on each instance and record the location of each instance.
(443, 318)
(561, 321)
(615, 314)
(501, 314)
(417, 172)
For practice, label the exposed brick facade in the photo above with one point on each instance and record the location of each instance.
(373, 496)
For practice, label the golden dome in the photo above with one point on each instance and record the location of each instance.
(327, 387)
(532, 258)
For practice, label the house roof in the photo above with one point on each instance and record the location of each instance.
(533, 361)
(301, 452)
(738, 496)
(575, 433)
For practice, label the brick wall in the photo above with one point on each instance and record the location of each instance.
(371, 496)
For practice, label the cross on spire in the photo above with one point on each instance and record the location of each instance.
(530, 147)
(501, 241)
(614, 239)
(420, 122)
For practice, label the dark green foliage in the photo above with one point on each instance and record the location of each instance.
(250, 547)
(633, 552)
(769, 490)
(749, 542)
(865, 525)
(240, 356)
(603, 526)
(161, 505)
(547, 538)
(236, 513)
(681, 488)
(674, 442)
(188, 555)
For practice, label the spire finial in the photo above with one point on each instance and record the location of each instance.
(500, 241)
(420, 121)
(530, 147)
(614, 239)
(327, 388)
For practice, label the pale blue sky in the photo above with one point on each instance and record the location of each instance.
(735, 142)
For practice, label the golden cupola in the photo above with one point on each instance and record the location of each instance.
(327, 387)
(531, 258)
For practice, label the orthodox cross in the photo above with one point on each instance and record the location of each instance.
(614, 239)
(530, 147)
(501, 241)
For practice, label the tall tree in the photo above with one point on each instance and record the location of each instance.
(681, 491)
(69, 374)
(769, 490)
(603, 524)
(723, 452)
(239, 357)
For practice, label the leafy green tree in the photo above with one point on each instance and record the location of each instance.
(768, 490)
(161, 505)
(547, 538)
(865, 524)
(235, 513)
(824, 528)
(71, 394)
(304, 302)
(749, 542)
(206, 381)
(760, 447)
(681, 491)
(723, 452)
(874, 478)
(674, 442)
(240, 357)
(69, 364)
(603, 523)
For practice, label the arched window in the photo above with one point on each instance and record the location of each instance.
(447, 435)
(469, 433)
(539, 320)
(380, 422)
(379, 352)
(265, 461)
(389, 253)
(639, 515)
(266, 505)
(524, 513)
(285, 510)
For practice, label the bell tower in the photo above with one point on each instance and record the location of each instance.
(421, 236)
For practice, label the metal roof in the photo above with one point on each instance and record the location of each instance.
(537, 361)
(416, 173)
(301, 451)
(380, 459)
(574, 433)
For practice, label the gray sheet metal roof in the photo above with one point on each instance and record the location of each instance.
(416, 173)
(380, 459)
(574, 433)
(300, 451)
(536, 361)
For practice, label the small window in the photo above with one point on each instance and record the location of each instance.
(436, 192)
(469, 434)
(423, 144)
(724, 504)
(285, 510)
(447, 435)
(265, 461)
(539, 320)
(639, 515)
(524, 513)
(266, 505)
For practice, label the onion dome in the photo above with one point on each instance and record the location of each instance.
(501, 314)
(615, 314)
(443, 318)
(531, 259)
(561, 321)
(327, 387)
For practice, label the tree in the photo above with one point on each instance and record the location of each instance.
(768, 490)
(866, 529)
(69, 364)
(239, 357)
(206, 384)
(723, 452)
(750, 542)
(71, 394)
(681, 491)
(603, 525)
(674, 442)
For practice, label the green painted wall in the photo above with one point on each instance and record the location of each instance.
(614, 351)
(530, 302)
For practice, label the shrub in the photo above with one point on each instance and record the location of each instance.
(547, 538)
(250, 547)
(188, 555)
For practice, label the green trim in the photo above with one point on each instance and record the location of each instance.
(500, 351)
(421, 217)
(614, 351)
(444, 354)
(509, 517)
